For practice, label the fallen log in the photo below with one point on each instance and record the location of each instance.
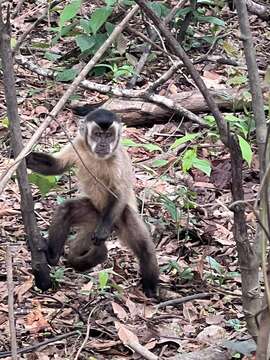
(135, 112)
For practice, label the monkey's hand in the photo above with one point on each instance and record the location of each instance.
(43, 163)
(103, 231)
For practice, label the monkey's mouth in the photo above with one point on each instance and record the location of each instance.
(102, 152)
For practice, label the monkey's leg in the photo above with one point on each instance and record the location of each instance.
(70, 213)
(84, 254)
(132, 231)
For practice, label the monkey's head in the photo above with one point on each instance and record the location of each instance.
(101, 130)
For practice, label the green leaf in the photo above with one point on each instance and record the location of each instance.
(188, 159)
(51, 56)
(44, 183)
(245, 149)
(67, 75)
(103, 278)
(237, 80)
(187, 274)
(5, 122)
(159, 163)
(110, 2)
(85, 25)
(85, 42)
(152, 147)
(70, 11)
(214, 264)
(210, 19)
(109, 27)
(100, 38)
(129, 143)
(160, 9)
(99, 18)
(203, 165)
(232, 118)
(184, 139)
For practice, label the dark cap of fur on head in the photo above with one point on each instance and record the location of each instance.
(102, 117)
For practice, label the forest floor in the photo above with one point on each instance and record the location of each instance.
(188, 214)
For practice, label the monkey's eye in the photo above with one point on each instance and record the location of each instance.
(97, 133)
(108, 134)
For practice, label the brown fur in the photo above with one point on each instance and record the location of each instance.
(85, 212)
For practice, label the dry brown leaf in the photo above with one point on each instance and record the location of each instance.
(5, 211)
(125, 335)
(35, 321)
(119, 311)
(22, 289)
(212, 334)
(87, 287)
(189, 311)
(41, 110)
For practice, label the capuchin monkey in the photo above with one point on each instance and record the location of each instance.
(99, 210)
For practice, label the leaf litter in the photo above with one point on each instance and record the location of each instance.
(190, 223)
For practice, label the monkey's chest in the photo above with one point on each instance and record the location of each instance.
(94, 189)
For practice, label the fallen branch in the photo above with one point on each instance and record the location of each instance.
(146, 94)
(11, 317)
(60, 104)
(137, 112)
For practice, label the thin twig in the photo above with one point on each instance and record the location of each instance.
(36, 346)
(183, 300)
(165, 77)
(87, 334)
(147, 50)
(89, 66)
(149, 41)
(11, 317)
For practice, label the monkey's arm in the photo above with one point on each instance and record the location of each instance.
(48, 164)
(110, 214)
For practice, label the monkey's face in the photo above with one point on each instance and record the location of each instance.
(103, 142)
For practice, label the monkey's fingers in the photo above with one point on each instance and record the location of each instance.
(43, 163)
(101, 234)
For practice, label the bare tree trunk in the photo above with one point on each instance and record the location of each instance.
(36, 242)
(247, 257)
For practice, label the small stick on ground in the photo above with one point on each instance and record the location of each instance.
(87, 334)
(11, 316)
(183, 300)
(31, 348)
(141, 350)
